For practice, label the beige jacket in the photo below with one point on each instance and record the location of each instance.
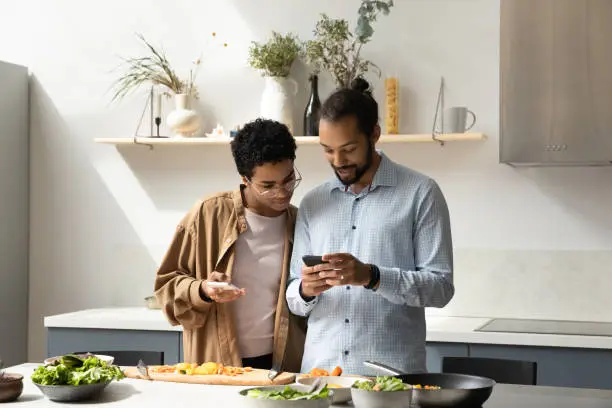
(204, 242)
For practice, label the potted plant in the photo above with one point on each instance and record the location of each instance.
(337, 50)
(274, 60)
(155, 69)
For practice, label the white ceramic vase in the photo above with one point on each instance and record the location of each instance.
(183, 121)
(277, 100)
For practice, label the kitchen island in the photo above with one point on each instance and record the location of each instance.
(141, 393)
(579, 358)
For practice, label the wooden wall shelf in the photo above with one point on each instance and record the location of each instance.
(301, 140)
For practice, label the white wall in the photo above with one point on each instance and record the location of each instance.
(529, 243)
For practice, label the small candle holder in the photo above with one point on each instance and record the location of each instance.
(157, 123)
(155, 120)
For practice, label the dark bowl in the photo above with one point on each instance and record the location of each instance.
(72, 393)
(11, 387)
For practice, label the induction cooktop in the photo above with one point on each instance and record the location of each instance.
(563, 327)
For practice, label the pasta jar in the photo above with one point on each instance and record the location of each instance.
(392, 105)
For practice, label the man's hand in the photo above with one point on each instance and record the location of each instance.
(313, 284)
(346, 270)
(220, 295)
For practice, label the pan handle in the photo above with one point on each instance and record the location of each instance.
(382, 367)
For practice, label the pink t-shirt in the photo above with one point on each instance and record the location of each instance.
(258, 268)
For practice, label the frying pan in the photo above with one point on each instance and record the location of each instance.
(456, 390)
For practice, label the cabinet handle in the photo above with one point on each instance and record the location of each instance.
(555, 148)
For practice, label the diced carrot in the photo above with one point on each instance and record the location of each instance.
(336, 372)
(319, 372)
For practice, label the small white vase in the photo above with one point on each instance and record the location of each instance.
(277, 100)
(183, 121)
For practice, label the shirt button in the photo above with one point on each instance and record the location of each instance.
(354, 227)
(346, 352)
(357, 199)
(346, 320)
(348, 288)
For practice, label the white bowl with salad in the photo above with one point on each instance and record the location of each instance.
(383, 392)
(287, 396)
(340, 385)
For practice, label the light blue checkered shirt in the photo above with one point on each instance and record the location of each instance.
(401, 224)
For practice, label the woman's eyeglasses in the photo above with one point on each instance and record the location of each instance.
(289, 186)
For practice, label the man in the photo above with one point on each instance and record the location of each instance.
(384, 233)
(245, 237)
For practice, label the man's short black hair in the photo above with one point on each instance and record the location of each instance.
(262, 141)
(355, 101)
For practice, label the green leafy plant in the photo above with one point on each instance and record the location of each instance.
(368, 11)
(337, 50)
(157, 70)
(275, 57)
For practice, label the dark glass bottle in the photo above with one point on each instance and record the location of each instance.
(313, 108)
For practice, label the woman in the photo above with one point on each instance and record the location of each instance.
(244, 237)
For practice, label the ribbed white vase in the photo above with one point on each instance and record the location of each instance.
(183, 121)
(277, 100)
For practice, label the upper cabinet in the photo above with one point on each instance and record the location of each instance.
(556, 82)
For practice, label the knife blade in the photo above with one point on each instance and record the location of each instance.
(143, 369)
(274, 372)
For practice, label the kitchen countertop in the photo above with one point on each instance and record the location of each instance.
(114, 318)
(444, 329)
(141, 393)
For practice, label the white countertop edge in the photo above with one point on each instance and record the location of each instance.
(111, 326)
(119, 318)
(440, 329)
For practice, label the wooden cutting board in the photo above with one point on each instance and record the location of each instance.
(254, 378)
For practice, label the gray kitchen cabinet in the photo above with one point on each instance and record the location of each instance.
(557, 366)
(436, 351)
(62, 340)
(181, 356)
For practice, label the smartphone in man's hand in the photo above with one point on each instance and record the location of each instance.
(312, 260)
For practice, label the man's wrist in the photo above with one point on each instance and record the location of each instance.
(374, 277)
(305, 298)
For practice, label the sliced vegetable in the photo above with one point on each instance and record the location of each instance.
(385, 383)
(288, 394)
(320, 372)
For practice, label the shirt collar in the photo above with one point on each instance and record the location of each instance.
(385, 175)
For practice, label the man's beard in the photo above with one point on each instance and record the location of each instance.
(359, 171)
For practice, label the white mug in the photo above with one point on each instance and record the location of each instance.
(455, 120)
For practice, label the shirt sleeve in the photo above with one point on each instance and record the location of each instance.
(301, 246)
(431, 284)
(177, 286)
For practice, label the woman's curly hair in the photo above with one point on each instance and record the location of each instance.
(262, 141)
